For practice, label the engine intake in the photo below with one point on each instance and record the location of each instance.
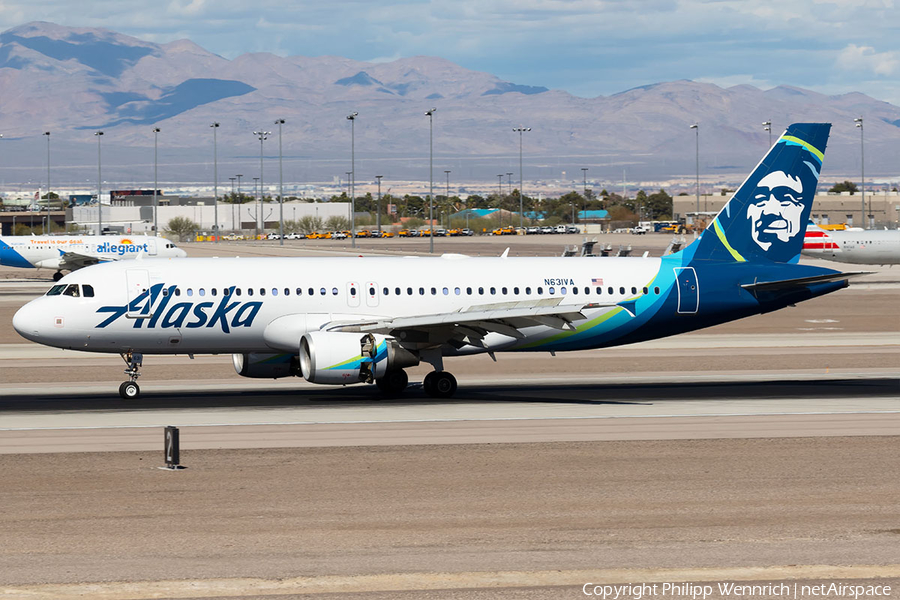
(341, 358)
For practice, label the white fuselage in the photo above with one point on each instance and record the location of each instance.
(232, 305)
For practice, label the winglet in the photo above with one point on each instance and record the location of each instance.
(505, 253)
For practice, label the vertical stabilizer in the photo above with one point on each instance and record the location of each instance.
(766, 218)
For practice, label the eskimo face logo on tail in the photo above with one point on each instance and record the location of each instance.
(776, 210)
(152, 309)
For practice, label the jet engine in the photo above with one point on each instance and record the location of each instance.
(265, 366)
(340, 358)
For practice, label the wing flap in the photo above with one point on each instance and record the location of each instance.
(473, 323)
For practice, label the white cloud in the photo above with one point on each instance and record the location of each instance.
(854, 58)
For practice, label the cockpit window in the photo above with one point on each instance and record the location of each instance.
(56, 290)
(72, 290)
(87, 291)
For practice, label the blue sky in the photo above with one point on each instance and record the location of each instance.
(586, 47)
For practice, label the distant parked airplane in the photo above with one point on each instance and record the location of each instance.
(856, 246)
(71, 252)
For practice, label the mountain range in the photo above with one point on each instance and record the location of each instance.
(74, 81)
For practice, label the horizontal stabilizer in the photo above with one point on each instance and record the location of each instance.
(800, 281)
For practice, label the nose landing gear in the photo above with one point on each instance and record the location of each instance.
(130, 390)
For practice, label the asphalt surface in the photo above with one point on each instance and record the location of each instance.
(758, 451)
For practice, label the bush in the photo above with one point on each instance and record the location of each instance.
(182, 227)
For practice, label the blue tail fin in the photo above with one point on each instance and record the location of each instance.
(766, 218)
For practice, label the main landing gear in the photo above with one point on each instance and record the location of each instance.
(393, 382)
(439, 384)
(130, 390)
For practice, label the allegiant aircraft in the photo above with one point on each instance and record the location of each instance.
(363, 320)
(68, 253)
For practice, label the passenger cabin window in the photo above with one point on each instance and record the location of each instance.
(656, 291)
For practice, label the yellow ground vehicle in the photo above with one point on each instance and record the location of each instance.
(508, 230)
(834, 227)
(454, 232)
(315, 235)
(403, 233)
(387, 234)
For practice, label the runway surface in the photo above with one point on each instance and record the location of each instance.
(763, 450)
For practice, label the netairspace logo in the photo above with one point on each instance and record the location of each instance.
(698, 592)
(152, 310)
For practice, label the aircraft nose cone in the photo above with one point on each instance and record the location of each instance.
(27, 322)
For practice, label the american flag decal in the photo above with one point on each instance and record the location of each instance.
(596, 281)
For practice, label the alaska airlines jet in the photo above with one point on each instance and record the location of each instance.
(363, 320)
(857, 246)
(68, 253)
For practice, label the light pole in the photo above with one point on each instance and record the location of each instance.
(258, 211)
(263, 136)
(232, 202)
(447, 173)
(430, 114)
(99, 134)
(767, 126)
(47, 133)
(215, 127)
(155, 186)
(862, 166)
(240, 199)
(378, 209)
(521, 130)
(500, 196)
(280, 122)
(584, 171)
(352, 177)
(696, 127)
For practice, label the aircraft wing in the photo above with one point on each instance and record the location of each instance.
(71, 261)
(470, 325)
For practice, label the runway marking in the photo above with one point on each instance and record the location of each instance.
(452, 420)
(396, 582)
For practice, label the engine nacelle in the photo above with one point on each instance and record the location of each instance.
(340, 358)
(265, 366)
